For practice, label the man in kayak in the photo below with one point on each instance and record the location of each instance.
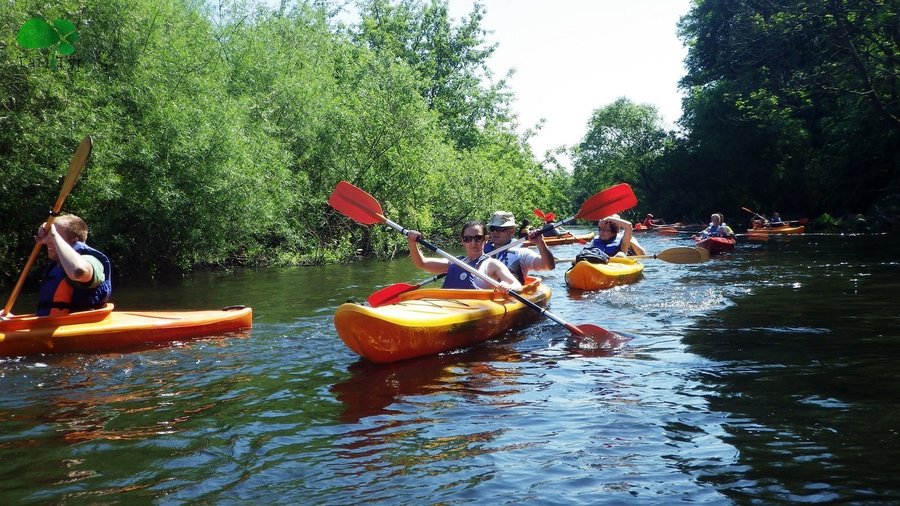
(473, 238)
(716, 228)
(610, 240)
(519, 260)
(79, 277)
(650, 222)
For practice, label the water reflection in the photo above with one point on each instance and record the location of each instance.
(376, 389)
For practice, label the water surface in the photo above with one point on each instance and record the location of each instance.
(764, 376)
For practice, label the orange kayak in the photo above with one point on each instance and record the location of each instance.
(430, 321)
(106, 329)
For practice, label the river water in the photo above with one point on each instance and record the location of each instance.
(765, 376)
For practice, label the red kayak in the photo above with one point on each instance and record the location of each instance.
(716, 245)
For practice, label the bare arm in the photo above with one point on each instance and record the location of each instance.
(433, 265)
(498, 271)
(77, 268)
(547, 262)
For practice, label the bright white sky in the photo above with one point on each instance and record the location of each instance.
(574, 56)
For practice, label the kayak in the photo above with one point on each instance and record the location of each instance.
(619, 271)
(107, 329)
(566, 238)
(777, 230)
(716, 245)
(430, 321)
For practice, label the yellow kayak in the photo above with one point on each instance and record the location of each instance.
(619, 271)
(429, 321)
(106, 329)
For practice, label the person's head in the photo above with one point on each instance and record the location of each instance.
(607, 229)
(525, 224)
(472, 236)
(649, 215)
(71, 228)
(716, 219)
(502, 227)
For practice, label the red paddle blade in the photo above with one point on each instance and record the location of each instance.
(596, 337)
(539, 213)
(389, 293)
(612, 200)
(356, 204)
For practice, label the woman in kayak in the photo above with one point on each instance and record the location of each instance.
(609, 239)
(473, 238)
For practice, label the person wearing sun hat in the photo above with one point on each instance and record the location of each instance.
(614, 236)
(502, 228)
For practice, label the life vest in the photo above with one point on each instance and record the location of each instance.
(610, 247)
(714, 231)
(59, 295)
(457, 277)
(511, 258)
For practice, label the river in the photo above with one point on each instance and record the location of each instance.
(764, 376)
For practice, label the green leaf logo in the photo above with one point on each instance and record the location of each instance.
(37, 33)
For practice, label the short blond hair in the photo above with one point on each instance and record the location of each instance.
(72, 227)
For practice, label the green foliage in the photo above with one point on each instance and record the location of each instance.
(220, 133)
(793, 104)
(623, 142)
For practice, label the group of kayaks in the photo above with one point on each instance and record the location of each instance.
(718, 245)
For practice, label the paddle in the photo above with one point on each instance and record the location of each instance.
(612, 200)
(78, 160)
(755, 214)
(361, 207)
(674, 255)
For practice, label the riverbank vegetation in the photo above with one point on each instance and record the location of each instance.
(221, 128)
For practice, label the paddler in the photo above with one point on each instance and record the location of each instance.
(609, 238)
(472, 238)
(519, 260)
(716, 228)
(79, 277)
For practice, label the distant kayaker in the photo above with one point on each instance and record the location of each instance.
(79, 277)
(524, 228)
(609, 239)
(716, 228)
(650, 222)
(520, 261)
(473, 238)
(554, 230)
(775, 220)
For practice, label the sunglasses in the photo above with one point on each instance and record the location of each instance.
(605, 229)
(494, 228)
(470, 238)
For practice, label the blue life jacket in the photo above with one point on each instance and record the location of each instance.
(60, 295)
(457, 277)
(610, 247)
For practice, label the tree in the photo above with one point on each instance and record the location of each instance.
(450, 60)
(623, 142)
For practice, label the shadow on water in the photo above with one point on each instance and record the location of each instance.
(807, 370)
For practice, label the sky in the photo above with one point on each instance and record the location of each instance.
(575, 56)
